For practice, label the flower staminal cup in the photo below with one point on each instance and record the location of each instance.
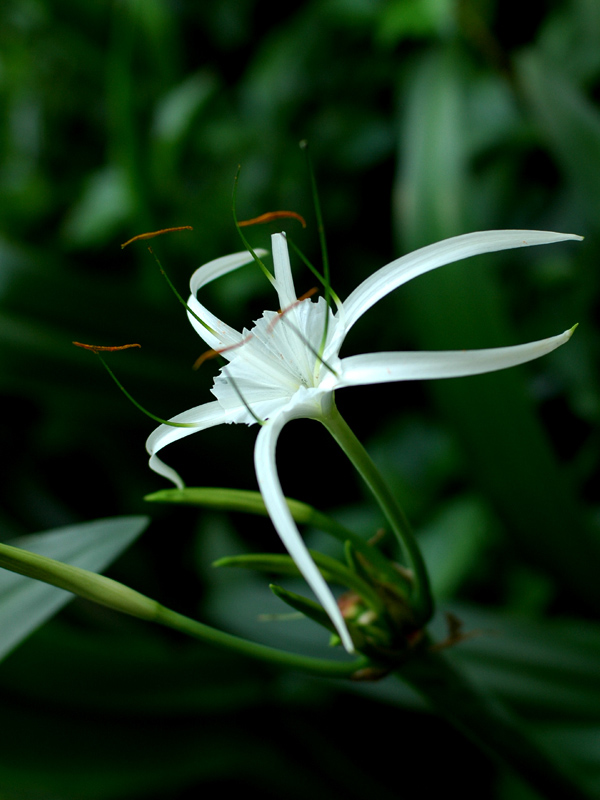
(283, 368)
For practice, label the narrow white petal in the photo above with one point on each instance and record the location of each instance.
(372, 368)
(407, 267)
(268, 481)
(226, 335)
(284, 282)
(205, 416)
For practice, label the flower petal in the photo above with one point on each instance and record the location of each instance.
(205, 416)
(436, 255)
(284, 283)
(268, 482)
(226, 336)
(371, 368)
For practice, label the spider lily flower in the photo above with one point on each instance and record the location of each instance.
(281, 369)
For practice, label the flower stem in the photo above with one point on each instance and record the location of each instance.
(485, 722)
(422, 601)
(316, 666)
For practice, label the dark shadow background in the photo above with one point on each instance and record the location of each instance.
(425, 120)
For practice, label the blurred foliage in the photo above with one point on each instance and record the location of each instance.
(427, 118)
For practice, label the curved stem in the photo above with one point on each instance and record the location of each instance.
(316, 666)
(422, 601)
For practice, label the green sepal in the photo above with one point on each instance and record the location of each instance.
(262, 562)
(330, 569)
(309, 608)
(224, 499)
(357, 564)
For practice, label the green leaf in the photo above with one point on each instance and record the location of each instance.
(25, 603)
(305, 606)
(569, 123)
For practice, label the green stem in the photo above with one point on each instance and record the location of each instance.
(422, 601)
(487, 724)
(115, 595)
(315, 666)
(253, 503)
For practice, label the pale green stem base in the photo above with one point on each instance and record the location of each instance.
(421, 599)
(315, 666)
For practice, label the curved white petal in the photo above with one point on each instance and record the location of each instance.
(205, 416)
(436, 255)
(284, 283)
(371, 368)
(226, 336)
(268, 482)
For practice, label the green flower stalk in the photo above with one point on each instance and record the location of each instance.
(281, 369)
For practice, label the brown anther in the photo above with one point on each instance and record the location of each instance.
(98, 348)
(214, 353)
(272, 215)
(152, 234)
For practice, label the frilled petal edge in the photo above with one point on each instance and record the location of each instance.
(369, 368)
(404, 269)
(270, 487)
(199, 418)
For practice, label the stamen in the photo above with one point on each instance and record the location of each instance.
(313, 269)
(243, 399)
(306, 343)
(178, 296)
(214, 353)
(272, 215)
(322, 240)
(96, 348)
(265, 271)
(152, 234)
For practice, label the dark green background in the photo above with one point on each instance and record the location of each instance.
(426, 119)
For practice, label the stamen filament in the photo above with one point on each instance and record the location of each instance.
(178, 296)
(152, 234)
(247, 245)
(134, 401)
(206, 356)
(322, 241)
(306, 343)
(313, 269)
(247, 406)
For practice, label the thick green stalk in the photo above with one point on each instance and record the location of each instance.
(115, 595)
(487, 724)
(421, 600)
(316, 666)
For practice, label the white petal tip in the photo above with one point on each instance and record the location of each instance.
(571, 331)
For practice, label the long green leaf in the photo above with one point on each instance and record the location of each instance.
(25, 604)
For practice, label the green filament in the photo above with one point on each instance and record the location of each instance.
(139, 406)
(179, 297)
(245, 241)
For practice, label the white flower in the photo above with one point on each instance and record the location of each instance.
(275, 375)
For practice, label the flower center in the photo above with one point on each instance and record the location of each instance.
(278, 359)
